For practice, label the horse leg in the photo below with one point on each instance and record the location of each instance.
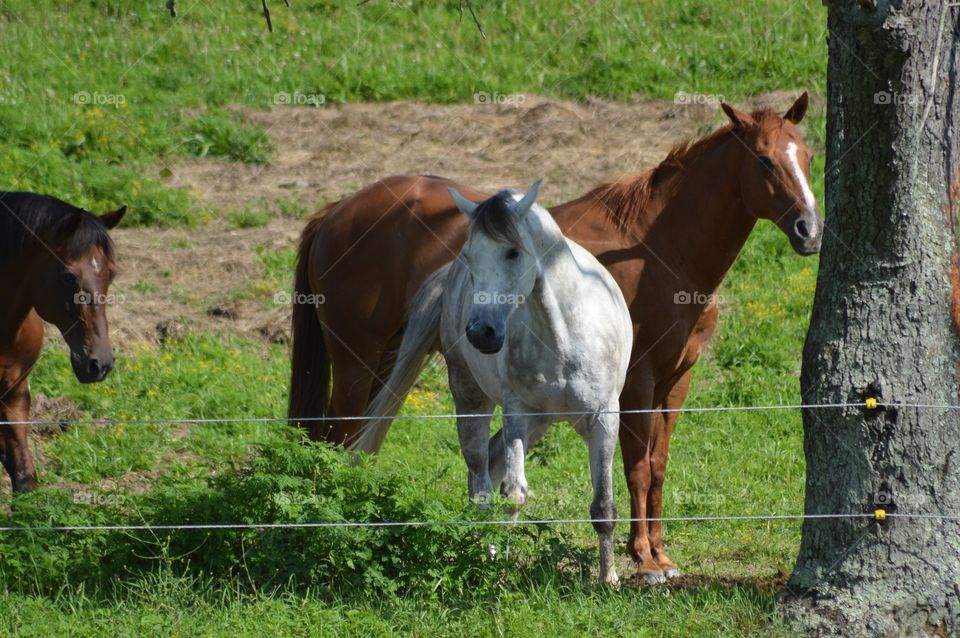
(473, 431)
(514, 486)
(536, 428)
(658, 467)
(601, 437)
(387, 359)
(636, 432)
(17, 459)
(353, 376)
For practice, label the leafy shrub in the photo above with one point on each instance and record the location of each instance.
(288, 483)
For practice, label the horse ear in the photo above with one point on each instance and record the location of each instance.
(70, 225)
(524, 205)
(111, 219)
(739, 119)
(466, 207)
(796, 112)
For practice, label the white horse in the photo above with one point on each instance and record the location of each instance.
(531, 321)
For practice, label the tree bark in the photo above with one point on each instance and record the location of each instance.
(883, 325)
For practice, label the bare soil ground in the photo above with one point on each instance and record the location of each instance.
(200, 279)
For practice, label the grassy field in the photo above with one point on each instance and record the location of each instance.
(98, 95)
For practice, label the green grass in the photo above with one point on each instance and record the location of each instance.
(278, 265)
(219, 134)
(97, 98)
(208, 376)
(167, 605)
(248, 218)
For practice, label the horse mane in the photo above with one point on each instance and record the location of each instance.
(29, 217)
(494, 217)
(627, 199)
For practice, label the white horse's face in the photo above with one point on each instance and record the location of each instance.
(503, 277)
(502, 262)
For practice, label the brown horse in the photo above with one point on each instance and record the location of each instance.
(668, 236)
(56, 263)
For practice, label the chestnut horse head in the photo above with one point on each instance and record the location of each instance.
(775, 181)
(67, 259)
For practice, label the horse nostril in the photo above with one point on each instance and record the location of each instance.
(94, 367)
(801, 227)
(489, 333)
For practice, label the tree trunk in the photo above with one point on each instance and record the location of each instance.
(884, 325)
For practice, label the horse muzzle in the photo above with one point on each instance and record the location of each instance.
(485, 337)
(806, 236)
(91, 369)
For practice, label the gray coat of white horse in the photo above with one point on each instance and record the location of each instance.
(529, 320)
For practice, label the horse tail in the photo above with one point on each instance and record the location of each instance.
(310, 367)
(420, 338)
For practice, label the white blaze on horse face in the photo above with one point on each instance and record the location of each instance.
(808, 198)
(96, 265)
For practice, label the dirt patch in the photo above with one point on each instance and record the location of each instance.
(322, 154)
(55, 412)
(172, 281)
(175, 281)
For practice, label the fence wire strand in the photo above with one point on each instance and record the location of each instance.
(453, 415)
(454, 523)
(149, 527)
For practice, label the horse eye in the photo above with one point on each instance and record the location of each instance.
(512, 253)
(766, 162)
(70, 280)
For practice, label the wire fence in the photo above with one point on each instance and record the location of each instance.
(878, 515)
(868, 404)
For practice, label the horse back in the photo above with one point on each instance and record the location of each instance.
(391, 236)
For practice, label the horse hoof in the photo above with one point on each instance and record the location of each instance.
(24, 484)
(671, 572)
(612, 581)
(653, 578)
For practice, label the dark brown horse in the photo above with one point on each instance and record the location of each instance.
(56, 263)
(668, 236)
